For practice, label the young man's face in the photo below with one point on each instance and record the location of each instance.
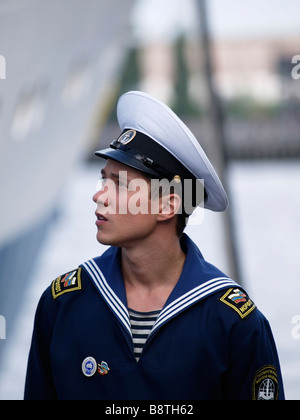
(124, 212)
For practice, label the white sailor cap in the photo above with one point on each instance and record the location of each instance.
(155, 141)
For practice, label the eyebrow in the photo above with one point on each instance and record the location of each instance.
(114, 175)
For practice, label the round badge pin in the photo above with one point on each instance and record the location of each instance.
(127, 137)
(89, 367)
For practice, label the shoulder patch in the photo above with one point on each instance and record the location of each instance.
(239, 301)
(265, 384)
(67, 283)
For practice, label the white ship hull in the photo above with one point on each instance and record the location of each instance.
(60, 61)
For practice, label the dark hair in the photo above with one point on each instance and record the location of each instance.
(182, 221)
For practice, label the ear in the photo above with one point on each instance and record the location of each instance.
(169, 207)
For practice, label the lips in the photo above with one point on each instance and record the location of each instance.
(100, 219)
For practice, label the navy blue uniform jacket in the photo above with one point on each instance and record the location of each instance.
(209, 342)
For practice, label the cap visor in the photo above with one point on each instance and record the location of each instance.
(125, 159)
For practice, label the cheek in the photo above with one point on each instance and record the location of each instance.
(134, 203)
(138, 226)
(122, 203)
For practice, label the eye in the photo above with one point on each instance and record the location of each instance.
(121, 184)
(101, 184)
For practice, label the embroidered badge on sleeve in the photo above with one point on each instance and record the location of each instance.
(67, 283)
(265, 384)
(239, 301)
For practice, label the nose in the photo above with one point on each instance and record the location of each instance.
(96, 196)
(100, 198)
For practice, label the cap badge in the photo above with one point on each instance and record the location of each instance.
(127, 137)
(103, 369)
(89, 367)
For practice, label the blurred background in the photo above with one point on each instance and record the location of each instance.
(228, 68)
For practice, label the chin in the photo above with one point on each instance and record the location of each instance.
(108, 240)
(102, 240)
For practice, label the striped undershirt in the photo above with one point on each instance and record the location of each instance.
(141, 326)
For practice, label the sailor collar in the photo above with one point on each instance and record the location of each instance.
(198, 280)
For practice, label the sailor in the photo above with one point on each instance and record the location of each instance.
(151, 319)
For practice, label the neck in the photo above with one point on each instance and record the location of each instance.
(151, 271)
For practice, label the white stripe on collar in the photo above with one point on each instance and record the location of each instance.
(179, 304)
(109, 295)
(194, 295)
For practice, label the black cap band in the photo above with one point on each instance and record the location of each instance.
(156, 160)
(143, 159)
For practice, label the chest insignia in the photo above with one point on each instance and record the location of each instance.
(239, 301)
(103, 368)
(67, 283)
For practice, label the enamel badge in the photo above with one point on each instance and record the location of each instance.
(103, 368)
(89, 367)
